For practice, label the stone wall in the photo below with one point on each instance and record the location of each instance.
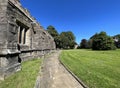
(21, 37)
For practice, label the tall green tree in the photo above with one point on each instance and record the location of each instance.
(102, 41)
(67, 40)
(84, 44)
(53, 32)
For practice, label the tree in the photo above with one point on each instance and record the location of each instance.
(102, 41)
(53, 32)
(117, 40)
(89, 44)
(84, 44)
(67, 40)
(58, 41)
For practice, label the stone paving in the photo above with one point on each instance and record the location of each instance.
(54, 75)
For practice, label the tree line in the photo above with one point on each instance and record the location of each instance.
(64, 40)
(101, 41)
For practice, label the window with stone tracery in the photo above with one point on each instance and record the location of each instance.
(22, 33)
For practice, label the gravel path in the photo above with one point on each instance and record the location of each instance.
(54, 75)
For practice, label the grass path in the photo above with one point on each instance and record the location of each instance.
(97, 69)
(25, 78)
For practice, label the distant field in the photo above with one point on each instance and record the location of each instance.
(97, 69)
(25, 78)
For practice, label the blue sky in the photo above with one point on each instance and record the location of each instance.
(83, 17)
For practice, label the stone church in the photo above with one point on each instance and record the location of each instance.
(21, 37)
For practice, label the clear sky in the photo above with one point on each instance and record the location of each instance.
(83, 17)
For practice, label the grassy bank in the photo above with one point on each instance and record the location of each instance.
(97, 69)
(25, 78)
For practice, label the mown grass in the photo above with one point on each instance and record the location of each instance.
(97, 69)
(25, 78)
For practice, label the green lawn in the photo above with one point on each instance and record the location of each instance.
(97, 69)
(25, 78)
